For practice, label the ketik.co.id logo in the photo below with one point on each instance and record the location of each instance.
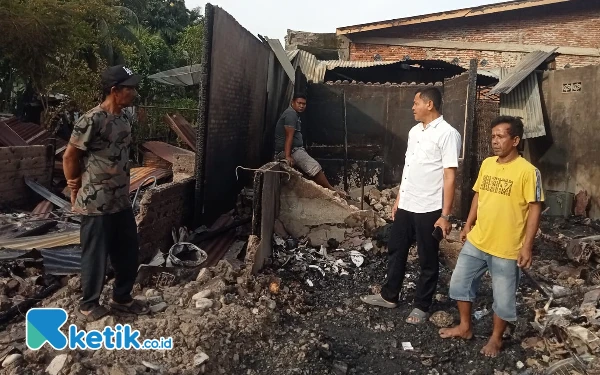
(43, 326)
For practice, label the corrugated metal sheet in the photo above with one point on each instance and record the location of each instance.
(315, 69)
(217, 247)
(151, 160)
(42, 242)
(291, 54)
(182, 128)
(165, 150)
(525, 102)
(41, 190)
(309, 65)
(332, 64)
(31, 134)
(521, 71)
(139, 175)
(282, 57)
(492, 73)
(62, 260)
(8, 137)
(12, 254)
(184, 76)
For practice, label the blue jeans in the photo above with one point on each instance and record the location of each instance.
(470, 268)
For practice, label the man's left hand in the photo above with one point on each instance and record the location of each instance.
(445, 225)
(525, 258)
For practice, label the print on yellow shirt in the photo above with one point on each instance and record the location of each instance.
(505, 191)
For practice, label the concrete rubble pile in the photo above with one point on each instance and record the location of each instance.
(221, 311)
(321, 216)
(565, 297)
(381, 201)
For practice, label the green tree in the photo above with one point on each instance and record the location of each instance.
(157, 57)
(189, 47)
(168, 18)
(49, 43)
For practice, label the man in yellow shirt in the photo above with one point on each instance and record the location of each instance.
(499, 232)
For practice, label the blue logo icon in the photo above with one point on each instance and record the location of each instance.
(43, 326)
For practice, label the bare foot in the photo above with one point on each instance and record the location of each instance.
(457, 331)
(492, 348)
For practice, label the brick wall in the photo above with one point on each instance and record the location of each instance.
(162, 208)
(574, 24)
(236, 110)
(16, 163)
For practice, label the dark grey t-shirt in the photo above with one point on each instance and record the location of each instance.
(289, 117)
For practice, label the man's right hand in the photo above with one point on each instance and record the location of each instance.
(394, 209)
(73, 196)
(464, 232)
(290, 160)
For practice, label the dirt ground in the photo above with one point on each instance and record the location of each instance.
(249, 328)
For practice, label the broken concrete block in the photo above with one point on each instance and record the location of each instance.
(216, 286)
(303, 203)
(204, 303)
(374, 195)
(152, 293)
(99, 324)
(159, 307)
(200, 359)
(225, 270)
(151, 366)
(322, 234)
(204, 276)
(57, 364)
(203, 294)
(12, 358)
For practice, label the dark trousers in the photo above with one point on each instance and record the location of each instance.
(114, 236)
(407, 228)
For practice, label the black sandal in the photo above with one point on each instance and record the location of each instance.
(97, 312)
(137, 307)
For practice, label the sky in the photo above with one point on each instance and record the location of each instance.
(272, 18)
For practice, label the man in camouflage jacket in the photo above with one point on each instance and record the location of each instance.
(96, 165)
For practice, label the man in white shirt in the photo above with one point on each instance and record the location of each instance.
(424, 202)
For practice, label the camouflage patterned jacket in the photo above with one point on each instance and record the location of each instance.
(105, 139)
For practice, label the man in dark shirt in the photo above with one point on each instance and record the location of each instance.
(289, 144)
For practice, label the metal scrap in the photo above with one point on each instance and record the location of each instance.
(47, 194)
(165, 150)
(66, 238)
(182, 128)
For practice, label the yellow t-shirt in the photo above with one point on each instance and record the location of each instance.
(505, 191)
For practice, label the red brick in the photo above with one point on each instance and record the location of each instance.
(568, 25)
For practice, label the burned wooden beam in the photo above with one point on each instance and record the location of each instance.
(579, 250)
